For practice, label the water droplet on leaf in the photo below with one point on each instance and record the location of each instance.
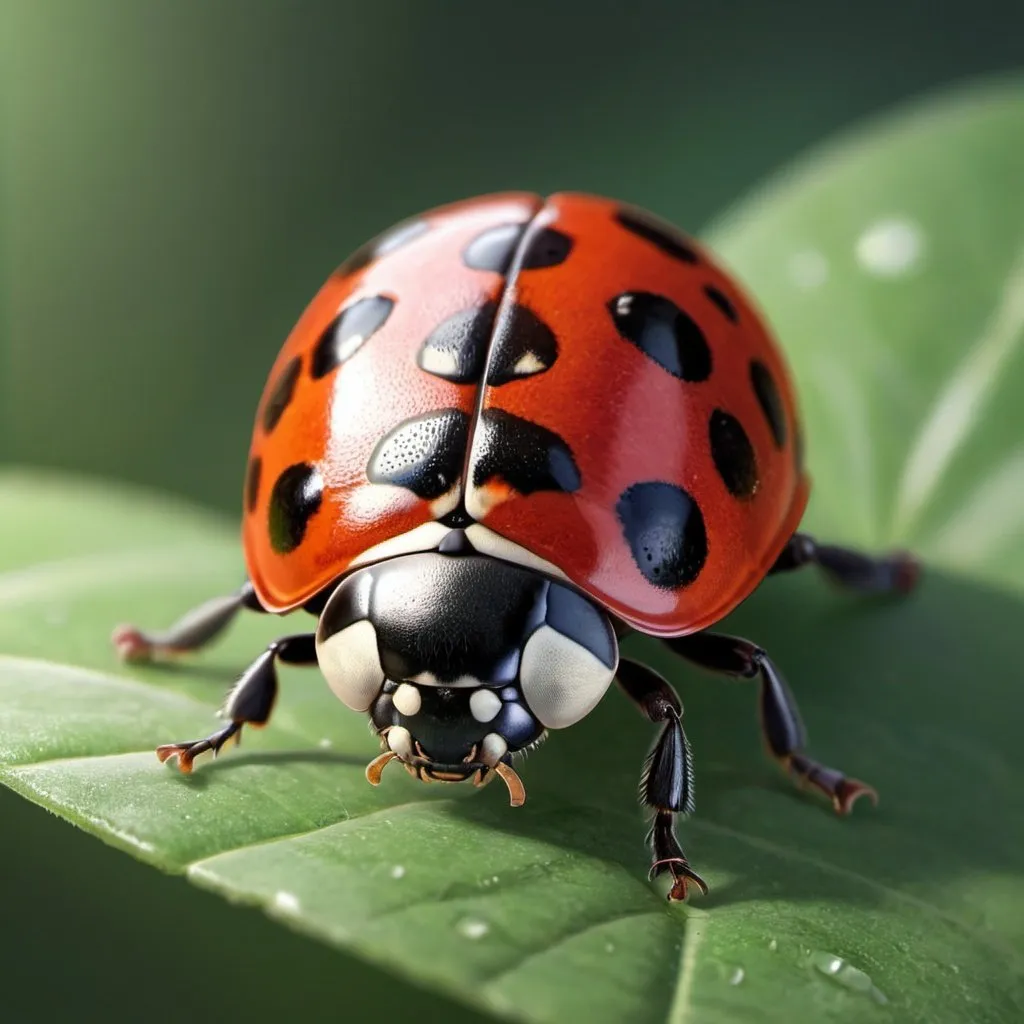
(737, 976)
(472, 928)
(843, 973)
(286, 901)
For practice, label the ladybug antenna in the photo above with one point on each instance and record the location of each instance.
(516, 789)
(376, 767)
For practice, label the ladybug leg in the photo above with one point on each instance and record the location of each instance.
(195, 629)
(251, 700)
(781, 725)
(897, 572)
(666, 783)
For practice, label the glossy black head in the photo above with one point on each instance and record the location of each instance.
(462, 659)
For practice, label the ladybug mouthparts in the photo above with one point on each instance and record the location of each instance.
(422, 768)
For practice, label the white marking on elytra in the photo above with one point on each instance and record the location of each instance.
(958, 406)
(528, 363)
(889, 247)
(485, 705)
(407, 700)
(438, 361)
(448, 501)
(349, 346)
(561, 681)
(480, 500)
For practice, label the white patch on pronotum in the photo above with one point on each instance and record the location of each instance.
(350, 663)
(487, 542)
(407, 700)
(485, 705)
(561, 681)
(425, 537)
(427, 678)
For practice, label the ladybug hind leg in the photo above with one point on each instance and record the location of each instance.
(781, 724)
(893, 573)
(251, 700)
(666, 784)
(195, 629)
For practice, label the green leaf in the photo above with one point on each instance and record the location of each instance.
(890, 265)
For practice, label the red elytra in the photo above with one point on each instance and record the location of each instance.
(570, 275)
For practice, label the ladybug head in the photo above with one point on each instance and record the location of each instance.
(462, 660)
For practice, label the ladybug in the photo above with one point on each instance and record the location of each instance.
(503, 435)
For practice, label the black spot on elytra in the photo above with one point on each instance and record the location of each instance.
(456, 349)
(383, 245)
(658, 232)
(546, 248)
(349, 331)
(424, 454)
(771, 402)
(665, 531)
(722, 301)
(252, 483)
(494, 248)
(295, 499)
(525, 455)
(523, 346)
(733, 454)
(664, 333)
(281, 394)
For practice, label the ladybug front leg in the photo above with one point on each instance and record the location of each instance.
(894, 573)
(783, 729)
(667, 780)
(251, 700)
(195, 629)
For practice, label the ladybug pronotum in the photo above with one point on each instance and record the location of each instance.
(503, 435)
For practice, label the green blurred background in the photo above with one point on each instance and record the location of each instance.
(178, 178)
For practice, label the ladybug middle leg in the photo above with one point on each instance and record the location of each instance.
(251, 700)
(894, 573)
(783, 729)
(667, 780)
(196, 628)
